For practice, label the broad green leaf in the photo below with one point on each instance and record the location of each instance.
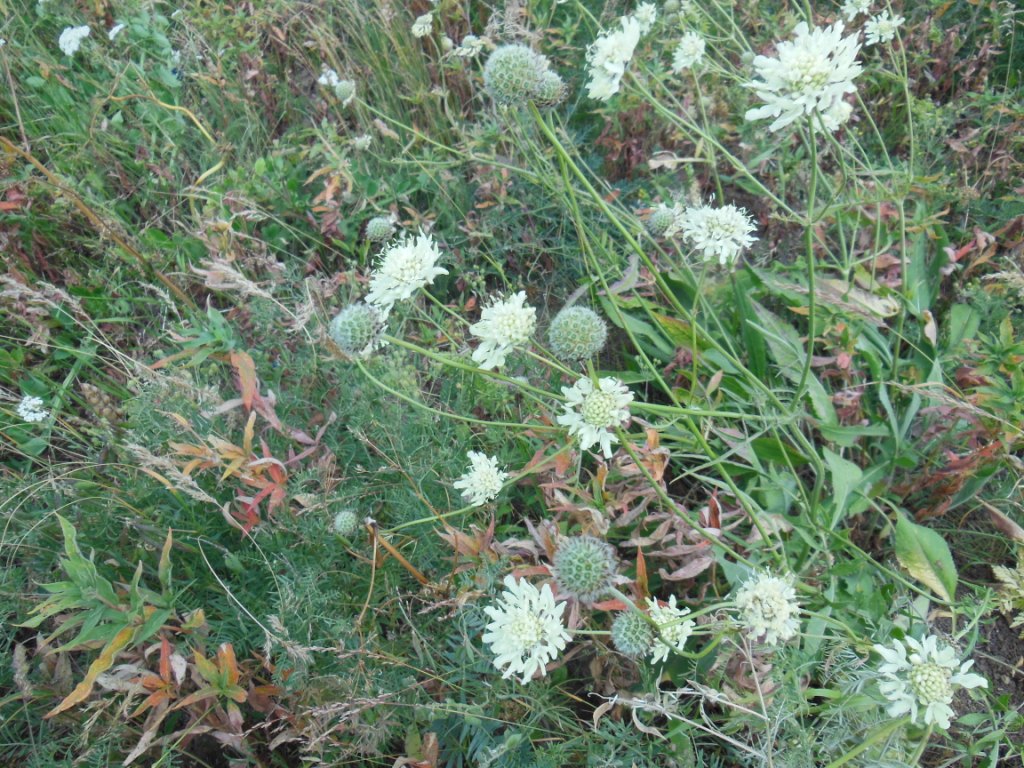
(847, 477)
(926, 556)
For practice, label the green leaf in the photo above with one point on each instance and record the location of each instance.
(847, 477)
(926, 556)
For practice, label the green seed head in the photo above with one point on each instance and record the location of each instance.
(513, 74)
(584, 567)
(345, 91)
(346, 522)
(577, 333)
(632, 634)
(379, 229)
(551, 90)
(357, 330)
(660, 220)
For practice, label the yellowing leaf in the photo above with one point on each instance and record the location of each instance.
(102, 663)
(926, 556)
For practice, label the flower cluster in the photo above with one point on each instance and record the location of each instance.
(923, 683)
(882, 28)
(609, 55)
(504, 325)
(405, 266)
(809, 74)
(423, 24)
(854, 8)
(526, 629)
(591, 413)
(768, 608)
(689, 52)
(71, 39)
(31, 409)
(717, 233)
(483, 480)
(674, 629)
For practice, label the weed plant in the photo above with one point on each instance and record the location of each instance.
(505, 384)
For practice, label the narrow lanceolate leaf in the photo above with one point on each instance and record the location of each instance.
(926, 556)
(103, 662)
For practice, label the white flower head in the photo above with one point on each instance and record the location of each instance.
(470, 46)
(71, 39)
(362, 142)
(689, 52)
(717, 233)
(854, 8)
(881, 28)
(924, 683)
(423, 24)
(808, 74)
(608, 57)
(483, 480)
(328, 77)
(646, 14)
(31, 409)
(504, 325)
(405, 266)
(116, 30)
(592, 413)
(768, 607)
(526, 631)
(674, 629)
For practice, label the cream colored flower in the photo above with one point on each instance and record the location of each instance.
(504, 325)
(689, 52)
(405, 266)
(718, 234)
(674, 629)
(526, 631)
(924, 683)
(608, 57)
(768, 608)
(809, 74)
(483, 481)
(593, 413)
(882, 28)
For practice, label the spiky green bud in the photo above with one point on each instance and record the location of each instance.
(584, 567)
(551, 90)
(357, 330)
(632, 634)
(577, 333)
(515, 74)
(346, 522)
(661, 220)
(380, 228)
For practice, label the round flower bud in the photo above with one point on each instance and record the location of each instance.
(380, 228)
(447, 43)
(346, 522)
(670, 6)
(513, 74)
(632, 634)
(584, 567)
(551, 90)
(660, 220)
(357, 330)
(577, 333)
(345, 90)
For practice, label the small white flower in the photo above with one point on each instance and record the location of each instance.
(116, 30)
(470, 46)
(405, 266)
(854, 8)
(328, 77)
(808, 74)
(608, 57)
(592, 413)
(768, 607)
(423, 24)
(483, 481)
(688, 53)
(71, 39)
(526, 631)
(363, 142)
(717, 233)
(646, 14)
(673, 628)
(882, 28)
(31, 409)
(925, 682)
(503, 325)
